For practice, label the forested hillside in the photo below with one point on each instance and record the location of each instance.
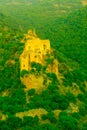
(36, 13)
(62, 104)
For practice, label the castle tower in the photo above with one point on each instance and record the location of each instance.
(34, 51)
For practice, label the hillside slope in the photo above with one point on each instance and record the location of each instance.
(68, 36)
(36, 13)
(63, 98)
(53, 102)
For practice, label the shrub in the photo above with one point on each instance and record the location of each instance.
(31, 92)
(23, 72)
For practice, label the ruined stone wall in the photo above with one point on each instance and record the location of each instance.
(34, 51)
(24, 62)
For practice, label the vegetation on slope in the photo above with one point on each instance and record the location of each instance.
(67, 94)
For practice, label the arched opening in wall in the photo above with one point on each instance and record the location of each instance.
(39, 52)
(35, 56)
(44, 46)
(23, 65)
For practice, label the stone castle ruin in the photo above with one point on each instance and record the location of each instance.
(36, 50)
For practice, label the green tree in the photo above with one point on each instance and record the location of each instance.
(31, 92)
(14, 122)
(23, 72)
(67, 122)
(50, 116)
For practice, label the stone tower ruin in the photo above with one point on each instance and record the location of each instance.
(34, 51)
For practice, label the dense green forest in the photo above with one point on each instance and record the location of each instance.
(64, 23)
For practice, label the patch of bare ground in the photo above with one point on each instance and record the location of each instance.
(37, 112)
(68, 7)
(2, 116)
(74, 89)
(63, 11)
(34, 112)
(34, 82)
(84, 2)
